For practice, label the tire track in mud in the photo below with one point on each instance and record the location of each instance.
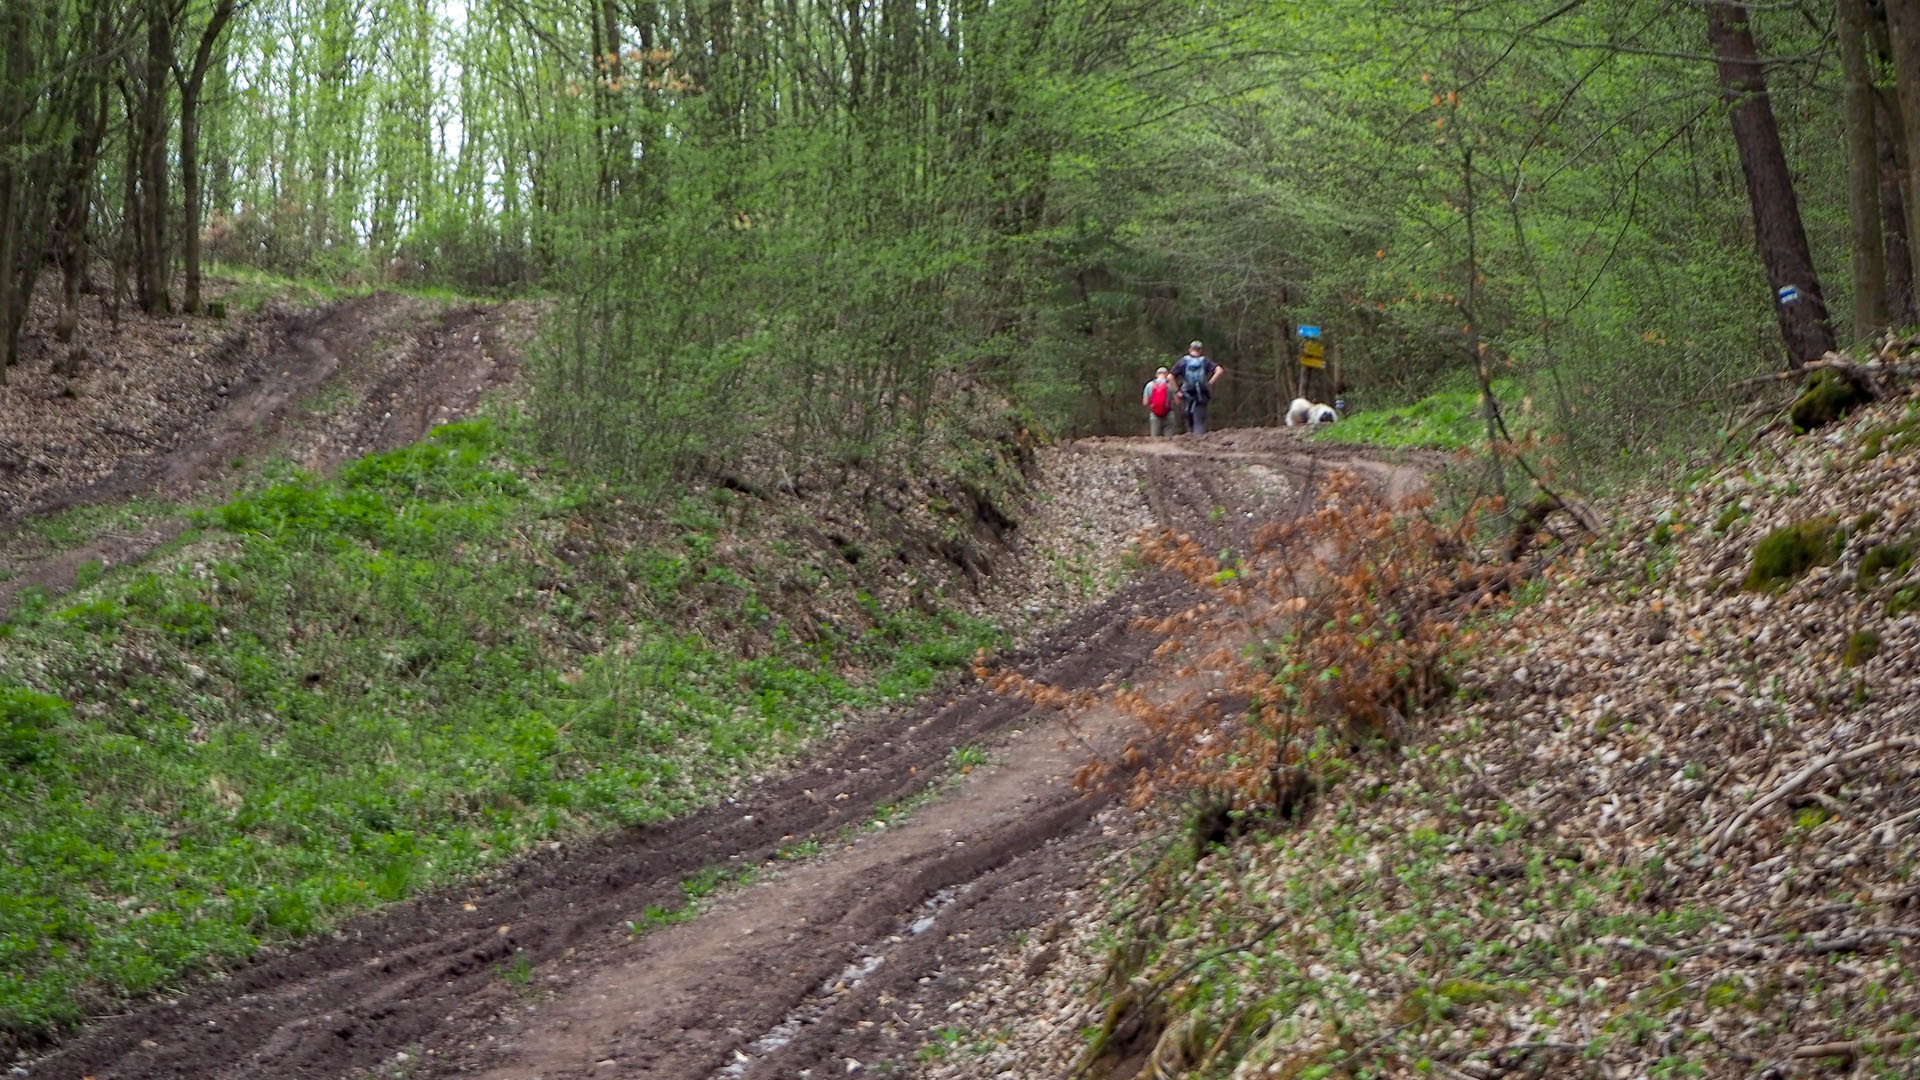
(847, 957)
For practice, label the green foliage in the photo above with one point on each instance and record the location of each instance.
(358, 688)
(27, 722)
(1452, 418)
(1903, 601)
(1895, 437)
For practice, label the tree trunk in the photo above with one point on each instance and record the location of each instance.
(1903, 307)
(1863, 173)
(16, 190)
(191, 85)
(1903, 29)
(76, 200)
(190, 202)
(156, 261)
(1778, 232)
(126, 253)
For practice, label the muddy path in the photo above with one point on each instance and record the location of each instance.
(319, 386)
(843, 961)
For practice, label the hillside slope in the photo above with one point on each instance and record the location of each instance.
(1667, 825)
(815, 910)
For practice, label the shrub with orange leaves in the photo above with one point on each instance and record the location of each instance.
(1331, 636)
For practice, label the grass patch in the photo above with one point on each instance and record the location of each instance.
(1862, 646)
(1448, 419)
(345, 691)
(1894, 559)
(70, 528)
(246, 290)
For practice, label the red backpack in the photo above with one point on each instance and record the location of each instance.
(1160, 399)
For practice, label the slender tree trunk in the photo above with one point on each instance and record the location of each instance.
(1903, 307)
(16, 76)
(190, 204)
(1863, 173)
(76, 199)
(1903, 30)
(1778, 231)
(191, 85)
(126, 255)
(1476, 350)
(156, 256)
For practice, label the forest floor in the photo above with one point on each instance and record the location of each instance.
(842, 907)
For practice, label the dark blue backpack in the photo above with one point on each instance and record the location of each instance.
(1193, 376)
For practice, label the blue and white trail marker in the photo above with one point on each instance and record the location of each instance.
(1789, 293)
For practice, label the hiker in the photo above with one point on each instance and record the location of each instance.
(1160, 397)
(1196, 373)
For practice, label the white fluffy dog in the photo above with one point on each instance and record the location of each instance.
(1310, 413)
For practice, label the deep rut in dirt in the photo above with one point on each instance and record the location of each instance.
(822, 966)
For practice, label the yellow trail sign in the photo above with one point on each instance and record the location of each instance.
(1313, 354)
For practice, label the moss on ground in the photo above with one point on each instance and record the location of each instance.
(1862, 646)
(1896, 559)
(1788, 552)
(1895, 437)
(1827, 398)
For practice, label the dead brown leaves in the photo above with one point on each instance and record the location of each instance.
(1332, 634)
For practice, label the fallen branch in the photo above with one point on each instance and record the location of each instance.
(1886, 828)
(1798, 780)
(1849, 941)
(1847, 366)
(115, 429)
(1519, 1050)
(1543, 506)
(1832, 1049)
(1854, 941)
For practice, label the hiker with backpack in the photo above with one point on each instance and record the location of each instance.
(1195, 373)
(1160, 397)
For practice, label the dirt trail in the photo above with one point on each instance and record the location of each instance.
(819, 967)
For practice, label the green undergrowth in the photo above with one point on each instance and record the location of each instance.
(247, 289)
(342, 691)
(1448, 419)
(80, 525)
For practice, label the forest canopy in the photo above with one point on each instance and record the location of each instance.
(825, 224)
